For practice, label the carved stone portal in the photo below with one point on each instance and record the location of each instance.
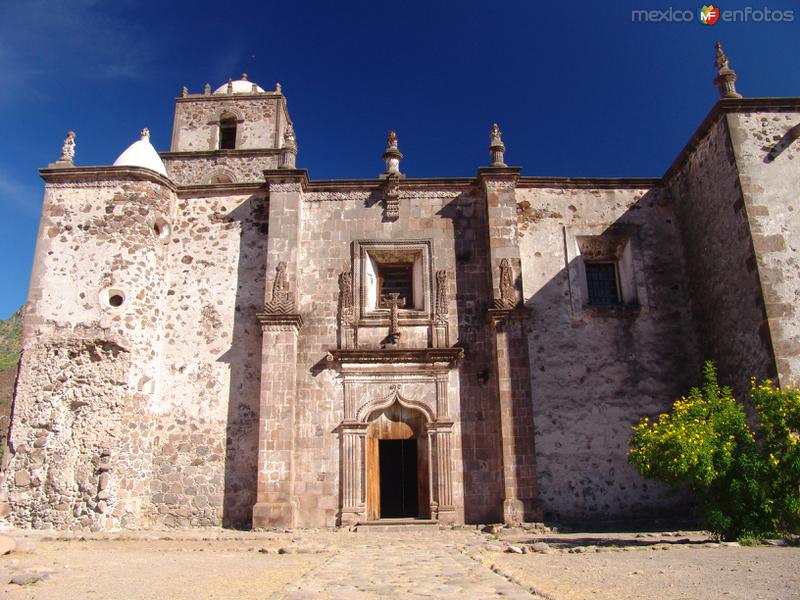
(421, 427)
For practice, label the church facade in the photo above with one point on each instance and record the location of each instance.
(212, 337)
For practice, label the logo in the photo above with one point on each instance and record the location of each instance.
(709, 14)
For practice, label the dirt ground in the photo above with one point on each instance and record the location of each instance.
(219, 564)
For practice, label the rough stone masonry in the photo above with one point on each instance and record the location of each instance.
(212, 337)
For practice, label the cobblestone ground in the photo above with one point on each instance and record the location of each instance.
(436, 564)
(408, 566)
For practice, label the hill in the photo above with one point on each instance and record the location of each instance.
(10, 332)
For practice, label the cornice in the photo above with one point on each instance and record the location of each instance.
(77, 174)
(451, 356)
(241, 153)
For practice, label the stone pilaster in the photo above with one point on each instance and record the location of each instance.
(281, 324)
(509, 322)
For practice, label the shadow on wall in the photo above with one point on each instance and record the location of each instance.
(244, 358)
(595, 370)
(480, 429)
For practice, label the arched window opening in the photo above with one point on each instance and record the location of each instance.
(227, 132)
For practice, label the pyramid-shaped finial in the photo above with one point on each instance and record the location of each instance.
(726, 77)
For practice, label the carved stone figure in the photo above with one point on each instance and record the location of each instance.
(508, 295)
(289, 155)
(496, 147)
(68, 149)
(721, 60)
(441, 293)
(726, 77)
(280, 287)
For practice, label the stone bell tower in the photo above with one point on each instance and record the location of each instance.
(231, 135)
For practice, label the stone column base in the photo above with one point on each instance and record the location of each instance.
(524, 510)
(274, 514)
(447, 516)
(350, 517)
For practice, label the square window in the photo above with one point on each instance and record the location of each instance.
(602, 284)
(396, 278)
(383, 267)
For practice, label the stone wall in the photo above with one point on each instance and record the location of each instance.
(237, 166)
(80, 439)
(454, 220)
(206, 416)
(596, 371)
(725, 290)
(769, 190)
(196, 125)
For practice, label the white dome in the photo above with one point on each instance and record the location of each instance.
(240, 86)
(142, 154)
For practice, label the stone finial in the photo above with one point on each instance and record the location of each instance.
(726, 77)
(392, 155)
(229, 89)
(289, 154)
(277, 88)
(496, 146)
(207, 89)
(244, 76)
(68, 149)
(184, 91)
(254, 89)
(145, 134)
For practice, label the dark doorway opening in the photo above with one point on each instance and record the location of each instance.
(398, 468)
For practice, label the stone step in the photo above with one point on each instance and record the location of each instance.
(396, 525)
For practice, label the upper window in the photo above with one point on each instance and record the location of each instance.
(383, 268)
(227, 133)
(602, 284)
(396, 278)
(604, 265)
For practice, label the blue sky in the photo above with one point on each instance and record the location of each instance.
(578, 88)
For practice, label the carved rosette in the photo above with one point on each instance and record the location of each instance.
(508, 295)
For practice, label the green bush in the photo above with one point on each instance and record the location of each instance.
(745, 483)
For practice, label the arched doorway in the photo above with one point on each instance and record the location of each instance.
(397, 464)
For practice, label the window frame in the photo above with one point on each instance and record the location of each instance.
(618, 243)
(367, 254)
(618, 300)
